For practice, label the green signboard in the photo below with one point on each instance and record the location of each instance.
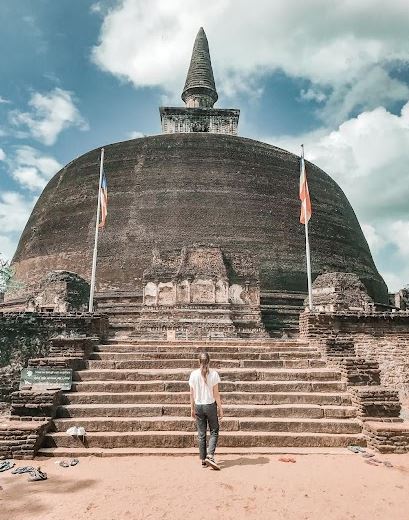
(47, 377)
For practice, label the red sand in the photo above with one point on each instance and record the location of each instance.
(330, 487)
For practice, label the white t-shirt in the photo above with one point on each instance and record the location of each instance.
(203, 392)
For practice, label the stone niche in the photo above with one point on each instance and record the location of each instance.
(340, 292)
(199, 275)
(200, 291)
(60, 292)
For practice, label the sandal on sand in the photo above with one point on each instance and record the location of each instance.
(74, 462)
(356, 449)
(22, 469)
(388, 464)
(37, 474)
(287, 459)
(6, 465)
(368, 455)
(372, 462)
(64, 464)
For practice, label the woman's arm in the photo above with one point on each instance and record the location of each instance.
(192, 404)
(216, 394)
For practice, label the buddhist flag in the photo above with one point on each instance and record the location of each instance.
(103, 196)
(306, 210)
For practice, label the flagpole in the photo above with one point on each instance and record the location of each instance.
(307, 242)
(94, 256)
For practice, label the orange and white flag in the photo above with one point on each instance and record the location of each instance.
(306, 209)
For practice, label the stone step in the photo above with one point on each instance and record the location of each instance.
(176, 439)
(212, 350)
(235, 345)
(265, 356)
(228, 398)
(225, 386)
(186, 452)
(321, 374)
(307, 411)
(169, 423)
(216, 363)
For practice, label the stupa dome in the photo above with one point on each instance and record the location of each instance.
(174, 190)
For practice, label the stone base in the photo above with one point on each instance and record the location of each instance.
(204, 321)
(376, 401)
(387, 437)
(21, 439)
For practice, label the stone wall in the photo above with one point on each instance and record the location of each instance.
(20, 439)
(378, 337)
(27, 335)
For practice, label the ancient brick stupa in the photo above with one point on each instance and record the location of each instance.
(195, 185)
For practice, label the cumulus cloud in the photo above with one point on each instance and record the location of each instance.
(2, 154)
(15, 210)
(368, 156)
(31, 168)
(135, 134)
(50, 114)
(343, 47)
(4, 101)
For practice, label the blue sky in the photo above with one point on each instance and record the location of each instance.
(334, 75)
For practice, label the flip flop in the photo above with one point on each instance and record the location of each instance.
(368, 455)
(287, 459)
(22, 469)
(74, 462)
(6, 465)
(356, 449)
(37, 474)
(64, 464)
(372, 462)
(388, 464)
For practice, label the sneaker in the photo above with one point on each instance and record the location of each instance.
(211, 462)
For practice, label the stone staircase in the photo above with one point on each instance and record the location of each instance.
(134, 399)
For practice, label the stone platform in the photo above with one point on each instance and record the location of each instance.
(134, 397)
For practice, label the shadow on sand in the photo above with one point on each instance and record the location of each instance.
(244, 461)
(22, 497)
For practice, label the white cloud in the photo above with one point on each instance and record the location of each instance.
(374, 239)
(32, 169)
(313, 95)
(135, 135)
(369, 156)
(4, 101)
(7, 247)
(14, 211)
(2, 154)
(346, 47)
(50, 114)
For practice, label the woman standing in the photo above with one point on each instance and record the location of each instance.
(205, 406)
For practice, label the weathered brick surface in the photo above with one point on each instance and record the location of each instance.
(27, 335)
(21, 439)
(376, 402)
(35, 403)
(387, 437)
(377, 337)
(185, 188)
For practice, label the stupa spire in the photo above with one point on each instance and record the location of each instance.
(200, 90)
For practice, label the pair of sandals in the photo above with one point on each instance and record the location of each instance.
(35, 473)
(67, 464)
(369, 457)
(7, 464)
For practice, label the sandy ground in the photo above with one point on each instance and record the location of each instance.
(330, 487)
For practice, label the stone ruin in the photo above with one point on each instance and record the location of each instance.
(333, 292)
(200, 291)
(400, 299)
(60, 292)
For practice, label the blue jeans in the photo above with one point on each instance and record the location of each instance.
(207, 414)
